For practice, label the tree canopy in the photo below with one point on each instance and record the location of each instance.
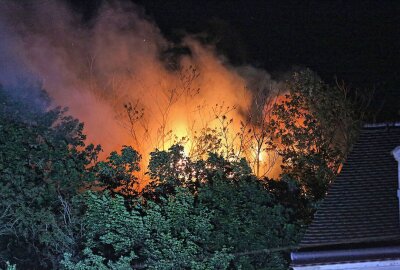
(43, 163)
(62, 208)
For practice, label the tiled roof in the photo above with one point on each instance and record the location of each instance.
(361, 205)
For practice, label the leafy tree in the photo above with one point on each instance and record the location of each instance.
(117, 173)
(111, 234)
(287, 192)
(181, 233)
(43, 163)
(246, 215)
(206, 211)
(171, 169)
(203, 214)
(172, 234)
(315, 126)
(248, 219)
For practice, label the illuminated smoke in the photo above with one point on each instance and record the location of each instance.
(118, 64)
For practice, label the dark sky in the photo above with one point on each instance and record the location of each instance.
(356, 41)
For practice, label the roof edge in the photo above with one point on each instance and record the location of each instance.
(304, 258)
(350, 243)
(381, 125)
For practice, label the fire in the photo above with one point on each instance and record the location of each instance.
(181, 133)
(118, 78)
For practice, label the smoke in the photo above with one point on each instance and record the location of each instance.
(113, 74)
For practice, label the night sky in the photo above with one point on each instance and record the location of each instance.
(354, 41)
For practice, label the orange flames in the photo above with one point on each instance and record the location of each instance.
(113, 77)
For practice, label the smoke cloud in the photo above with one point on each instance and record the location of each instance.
(120, 63)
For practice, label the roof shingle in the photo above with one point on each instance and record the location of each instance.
(362, 204)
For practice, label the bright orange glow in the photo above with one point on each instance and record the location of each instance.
(123, 80)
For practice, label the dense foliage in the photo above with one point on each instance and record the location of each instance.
(43, 163)
(169, 235)
(315, 125)
(246, 216)
(60, 208)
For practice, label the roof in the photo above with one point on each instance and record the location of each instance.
(359, 218)
(361, 205)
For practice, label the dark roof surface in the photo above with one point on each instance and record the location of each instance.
(361, 205)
